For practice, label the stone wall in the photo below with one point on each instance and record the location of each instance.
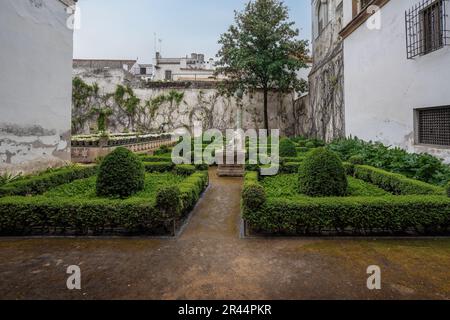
(35, 90)
(201, 101)
(324, 115)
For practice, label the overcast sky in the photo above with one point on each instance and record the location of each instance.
(125, 29)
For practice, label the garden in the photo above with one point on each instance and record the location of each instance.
(125, 194)
(376, 190)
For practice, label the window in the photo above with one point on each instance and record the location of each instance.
(168, 76)
(143, 71)
(426, 28)
(323, 15)
(433, 126)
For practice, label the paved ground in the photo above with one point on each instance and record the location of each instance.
(210, 261)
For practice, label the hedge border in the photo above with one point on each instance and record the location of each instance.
(425, 214)
(39, 184)
(23, 215)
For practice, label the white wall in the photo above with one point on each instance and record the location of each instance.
(383, 87)
(35, 86)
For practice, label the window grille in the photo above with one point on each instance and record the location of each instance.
(426, 27)
(434, 126)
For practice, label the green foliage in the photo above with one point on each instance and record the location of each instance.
(158, 166)
(84, 97)
(163, 150)
(253, 194)
(102, 115)
(356, 160)
(290, 167)
(77, 209)
(121, 174)
(261, 50)
(185, 169)
(168, 201)
(6, 178)
(395, 183)
(128, 102)
(287, 148)
(286, 186)
(38, 184)
(322, 174)
(310, 145)
(421, 214)
(448, 189)
(423, 167)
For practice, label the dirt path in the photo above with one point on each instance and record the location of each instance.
(210, 261)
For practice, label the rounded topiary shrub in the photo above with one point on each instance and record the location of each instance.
(322, 175)
(356, 160)
(121, 174)
(287, 148)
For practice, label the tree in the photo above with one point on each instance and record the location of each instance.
(128, 102)
(261, 51)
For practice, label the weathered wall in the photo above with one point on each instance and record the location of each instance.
(35, 89)
(323, 116)
(383, 87)
(201, 102)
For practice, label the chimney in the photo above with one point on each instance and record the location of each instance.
(158, 55)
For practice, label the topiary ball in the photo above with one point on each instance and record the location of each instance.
(121, 174)
(287, 148)
(356, 160)
(322, 175)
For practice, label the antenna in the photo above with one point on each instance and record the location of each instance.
(160, 45)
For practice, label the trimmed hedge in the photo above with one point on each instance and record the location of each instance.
(148, 158)
(448, 189)
(121, 174)
(168, 201)
(44, 215)
(322, 174)
(185, 169)
(253, 194)
(40, 184)
(423, 214)
(395, 183)
(158, 166)
(290, 167)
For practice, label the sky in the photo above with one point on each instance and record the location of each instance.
(125, 29)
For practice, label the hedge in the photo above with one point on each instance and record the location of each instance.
(448, 189)
(44, 215)
(148, 158)
(395, 183)
(39, 184)
(158, 166)
(185, 170)
(423, 214)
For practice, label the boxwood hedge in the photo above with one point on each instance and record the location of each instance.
(423, 214)
(395, 183)
(39, 184)
(45, 215)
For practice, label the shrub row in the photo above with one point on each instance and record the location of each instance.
(43, 215)
(395, 183)
(253, 194)
(40, 184)
(422, 214)
(182, 169)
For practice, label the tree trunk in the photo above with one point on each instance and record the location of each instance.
(266, 113)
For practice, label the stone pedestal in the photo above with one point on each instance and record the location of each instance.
(230, 170)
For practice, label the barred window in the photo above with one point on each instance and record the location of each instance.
(426, 27)
(433, 125)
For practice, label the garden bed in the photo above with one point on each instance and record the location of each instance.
(65, 203)
(377, 203)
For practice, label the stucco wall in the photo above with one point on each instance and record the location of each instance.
(201, 102)
(383, 87)
(35, 88)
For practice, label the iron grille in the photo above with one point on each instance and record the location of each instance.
(434, 126)
(426, 27)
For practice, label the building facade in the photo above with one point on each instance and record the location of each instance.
(397, 72)
(36, 86)
(193, 68)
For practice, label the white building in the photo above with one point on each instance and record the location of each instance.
(143, 71)
(397, 73)
(193, 68)
(35, 84)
